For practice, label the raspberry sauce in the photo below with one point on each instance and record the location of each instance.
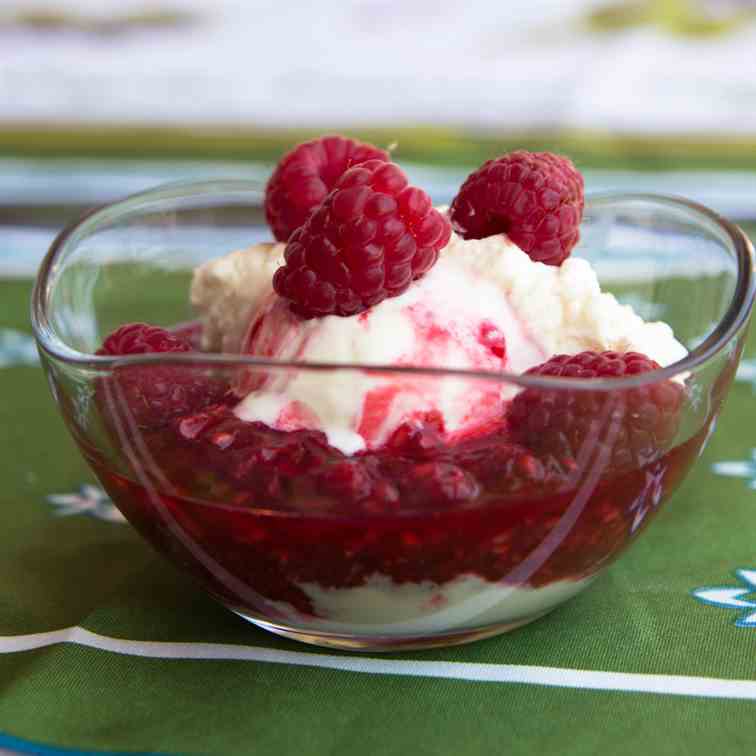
(254, 513)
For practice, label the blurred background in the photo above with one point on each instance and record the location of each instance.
(102, 98)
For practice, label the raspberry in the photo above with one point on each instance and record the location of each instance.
(634, 425)
(369, 239)
(141, 338)
(442, 483)
(346, 479)
(536, 198)
(419, 439)
(304, 176)
(155, 394)
(250, 448)
(511, 469)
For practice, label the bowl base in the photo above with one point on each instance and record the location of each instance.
(378, 643)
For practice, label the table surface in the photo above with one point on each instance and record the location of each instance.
(105, 647)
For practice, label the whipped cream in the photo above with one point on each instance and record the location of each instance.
(476, 284)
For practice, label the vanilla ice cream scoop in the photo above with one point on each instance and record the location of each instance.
(484, 306)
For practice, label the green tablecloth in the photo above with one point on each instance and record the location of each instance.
(104, 646)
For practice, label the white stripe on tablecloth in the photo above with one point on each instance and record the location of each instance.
(673, 685)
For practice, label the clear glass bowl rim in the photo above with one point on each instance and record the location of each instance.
(729, 326)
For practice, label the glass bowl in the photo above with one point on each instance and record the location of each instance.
(417, 544)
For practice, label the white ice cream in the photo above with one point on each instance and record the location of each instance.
(477, 284)
(228, 290)
(382, 606)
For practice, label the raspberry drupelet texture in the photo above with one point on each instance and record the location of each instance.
(536, 198)
(369, 239)
(634, 426)
(141, 338)
(304, 176)
(154, 394)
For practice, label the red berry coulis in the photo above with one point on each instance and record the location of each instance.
(252, 511)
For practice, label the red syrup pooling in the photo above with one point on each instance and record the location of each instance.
(252, 511)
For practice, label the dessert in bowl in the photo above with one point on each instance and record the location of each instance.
(393, 425)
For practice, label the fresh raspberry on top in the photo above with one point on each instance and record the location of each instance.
(304, 176)
(369, 239)
(141, 338)
(154, 394)
(535, 198)
(634, 426)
